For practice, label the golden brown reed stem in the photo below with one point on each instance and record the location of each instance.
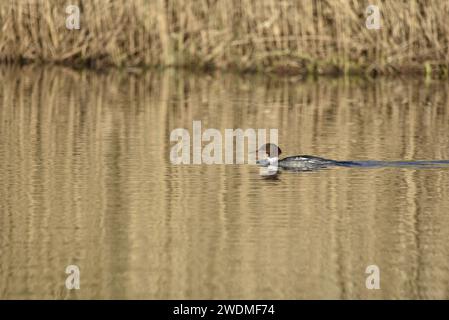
(327, 36)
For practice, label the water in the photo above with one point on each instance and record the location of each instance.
(86, 180)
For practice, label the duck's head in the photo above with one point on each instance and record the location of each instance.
(268, 154)
(270, 150)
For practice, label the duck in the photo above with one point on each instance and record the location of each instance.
(269, 153)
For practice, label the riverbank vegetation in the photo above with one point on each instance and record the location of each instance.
(286, 37)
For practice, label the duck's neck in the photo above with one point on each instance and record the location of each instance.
(273, 161)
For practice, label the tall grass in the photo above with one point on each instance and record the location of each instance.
(327, 36)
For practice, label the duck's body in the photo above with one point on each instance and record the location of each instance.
(305, 162)
(299, 162)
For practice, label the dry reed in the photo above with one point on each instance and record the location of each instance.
(327, 36)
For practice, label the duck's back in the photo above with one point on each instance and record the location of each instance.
(305, 161)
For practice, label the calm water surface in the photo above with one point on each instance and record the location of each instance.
(86, 180)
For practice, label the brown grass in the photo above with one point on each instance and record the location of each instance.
(327, 36)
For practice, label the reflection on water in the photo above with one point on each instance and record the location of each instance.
(86, 180)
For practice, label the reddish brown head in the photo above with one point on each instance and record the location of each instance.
(270, 149)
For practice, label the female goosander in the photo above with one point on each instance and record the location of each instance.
(271, 152)
(270, 158)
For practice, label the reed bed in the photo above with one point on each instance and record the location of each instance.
(295, 37)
